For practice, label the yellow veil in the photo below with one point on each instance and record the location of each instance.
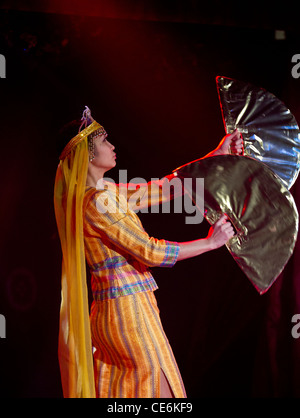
(75, 347)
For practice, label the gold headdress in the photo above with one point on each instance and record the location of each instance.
(89, 132)
(75, 347)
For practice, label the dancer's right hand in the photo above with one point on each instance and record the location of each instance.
(220, 232)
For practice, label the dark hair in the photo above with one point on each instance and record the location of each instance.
(67, 132)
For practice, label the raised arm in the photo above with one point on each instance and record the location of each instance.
(230, 144)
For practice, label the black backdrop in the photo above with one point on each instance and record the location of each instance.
(151, 83)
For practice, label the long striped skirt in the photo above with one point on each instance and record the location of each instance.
(131, 349)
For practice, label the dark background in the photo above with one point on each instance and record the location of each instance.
(147, 70)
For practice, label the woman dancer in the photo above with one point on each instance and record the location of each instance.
(120, 348)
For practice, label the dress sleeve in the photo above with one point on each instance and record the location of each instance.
(123, 229)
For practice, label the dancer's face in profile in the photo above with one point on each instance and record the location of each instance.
(105, 157)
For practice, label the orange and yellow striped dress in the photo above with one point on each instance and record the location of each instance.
(130, 346)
